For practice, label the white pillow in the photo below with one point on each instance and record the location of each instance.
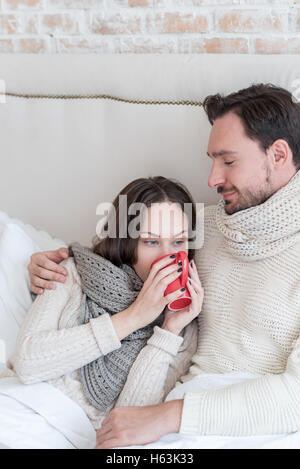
(43, 240)
(15, 250)
(16, 247)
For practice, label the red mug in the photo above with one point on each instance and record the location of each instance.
(185, 299)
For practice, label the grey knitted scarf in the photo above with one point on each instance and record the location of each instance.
(108, 289)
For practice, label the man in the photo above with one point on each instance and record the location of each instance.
(250, 271)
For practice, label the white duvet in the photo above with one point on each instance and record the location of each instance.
(40, 416)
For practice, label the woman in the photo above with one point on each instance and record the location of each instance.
(84, 336)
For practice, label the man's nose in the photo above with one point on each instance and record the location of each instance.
(216, 177)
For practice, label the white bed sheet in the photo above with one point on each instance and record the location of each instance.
(39, 416)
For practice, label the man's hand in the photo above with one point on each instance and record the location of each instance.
(127, 426)
(44, 267)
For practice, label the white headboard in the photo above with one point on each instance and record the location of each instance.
(61, 157)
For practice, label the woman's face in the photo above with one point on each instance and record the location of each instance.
(164, 230)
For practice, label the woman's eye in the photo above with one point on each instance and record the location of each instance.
(153, 243)
(229, 163)
(149, 242)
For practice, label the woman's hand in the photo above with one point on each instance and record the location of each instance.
(44, 266)
(151, 301)
(175, 321)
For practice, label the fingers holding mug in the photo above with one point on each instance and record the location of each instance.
(174, 295)
(160, 264)
(193, 273)
(195, 286)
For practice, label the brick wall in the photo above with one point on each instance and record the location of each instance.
(150, 26)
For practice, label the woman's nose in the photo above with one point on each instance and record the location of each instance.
(166, 249)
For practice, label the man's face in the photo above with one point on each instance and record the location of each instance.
(241, 171)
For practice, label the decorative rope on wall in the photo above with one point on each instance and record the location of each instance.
(101, 96)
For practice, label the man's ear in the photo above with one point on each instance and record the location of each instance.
(280, 152)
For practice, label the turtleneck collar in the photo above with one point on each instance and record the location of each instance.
(263, 230)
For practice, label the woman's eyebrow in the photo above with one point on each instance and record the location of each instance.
(157, 236)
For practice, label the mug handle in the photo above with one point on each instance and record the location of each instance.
(185, 267)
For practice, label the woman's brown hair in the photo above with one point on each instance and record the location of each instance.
(158, 189)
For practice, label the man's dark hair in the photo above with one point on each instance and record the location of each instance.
(267, 112)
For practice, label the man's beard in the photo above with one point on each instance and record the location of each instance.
(248, 198)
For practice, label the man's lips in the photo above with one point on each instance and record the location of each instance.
(227, 195)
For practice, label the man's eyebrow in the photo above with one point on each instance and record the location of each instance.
(157, 236)
(215, 154)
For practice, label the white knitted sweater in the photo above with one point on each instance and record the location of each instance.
(52, 346)
(250, 269)
(250, 322)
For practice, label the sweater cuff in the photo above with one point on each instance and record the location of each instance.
(165, 340)
(190, 418)
(105, 334)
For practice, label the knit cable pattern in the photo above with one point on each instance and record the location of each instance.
(263, 230)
